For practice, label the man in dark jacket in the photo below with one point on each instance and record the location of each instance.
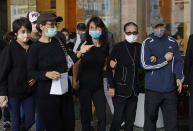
(160, 90)
(123, 83)
(188, 72)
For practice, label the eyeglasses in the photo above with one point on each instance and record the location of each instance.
(131, 33)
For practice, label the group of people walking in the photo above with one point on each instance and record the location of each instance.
(38, 55)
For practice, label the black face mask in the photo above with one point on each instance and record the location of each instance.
(83, 36)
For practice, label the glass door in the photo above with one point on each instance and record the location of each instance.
(177, 15)
(109, 11)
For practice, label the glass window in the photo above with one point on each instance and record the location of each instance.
(108, 10)
(177, 17)
(20, 8)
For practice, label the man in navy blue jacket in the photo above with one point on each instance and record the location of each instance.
(160, 90)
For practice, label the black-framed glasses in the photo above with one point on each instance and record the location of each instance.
(131, 33)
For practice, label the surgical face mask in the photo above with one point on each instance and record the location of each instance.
(34, 30)
(23, 37)
(51, 32)
(131, 38)
(72, 40)
(159, 33)
(95, 34)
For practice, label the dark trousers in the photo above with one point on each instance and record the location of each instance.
(168, 104)
(124, 109)
(57, 112)
(39, 124)
(28, 108)
(98, 97)
(191, 111)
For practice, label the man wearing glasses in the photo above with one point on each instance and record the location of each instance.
(160, 90)
(122, 69)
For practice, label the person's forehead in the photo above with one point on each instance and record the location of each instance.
(51, 21)
(131, 27)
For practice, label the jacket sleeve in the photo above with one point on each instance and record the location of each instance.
(145, 58)
(33, 72)
(178, 64)
(109, 70)
(188, 63)
(5, 67)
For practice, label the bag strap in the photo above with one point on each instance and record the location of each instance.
(62, 46)
(64, 50)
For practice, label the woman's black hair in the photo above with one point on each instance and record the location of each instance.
(130, 23)
(104, 37)
(64, 30)
(17, 24)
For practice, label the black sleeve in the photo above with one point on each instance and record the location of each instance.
(2, 45)
(188, 61)
(5, 63)
(109, 72)
(33, 72)
(111, 41)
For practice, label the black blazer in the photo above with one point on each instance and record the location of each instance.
(188, 63)
(125, 78)
(13, 71)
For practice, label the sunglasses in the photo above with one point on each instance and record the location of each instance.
(131, 33)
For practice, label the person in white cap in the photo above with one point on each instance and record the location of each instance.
(35, 35)
(33, 16)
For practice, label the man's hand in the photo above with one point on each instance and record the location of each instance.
(111, 92)
(75, 85)
(113, 63)
(169, 56)
(153, 59)
(53, 75)
(179, 85)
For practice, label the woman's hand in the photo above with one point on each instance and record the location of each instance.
(53, 75)
(85, 48)
(113, 63)
(31, 82)
(3, 100)
(111, 92)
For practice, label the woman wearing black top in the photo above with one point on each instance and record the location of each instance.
(14, 83)
(91, 75)
(47, 62)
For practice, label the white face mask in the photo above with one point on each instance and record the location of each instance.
(131, 38)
